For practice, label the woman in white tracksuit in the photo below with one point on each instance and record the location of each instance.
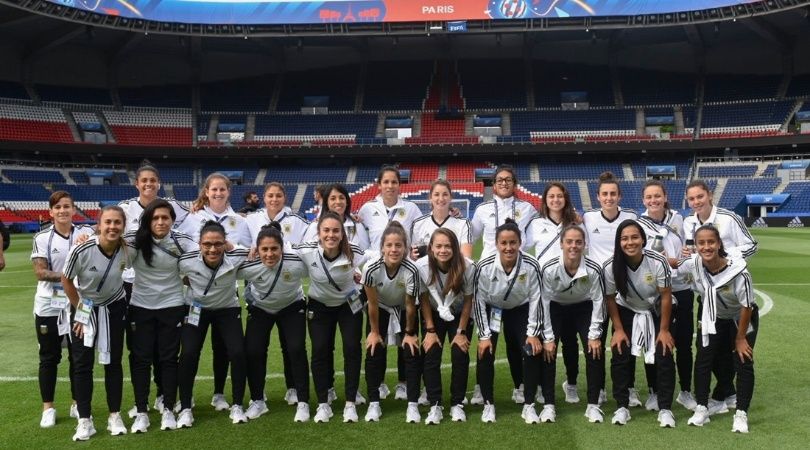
(729, 319)
(664, 229)
(278, 300)
(638, 293)
(507, 301)
(391, 283)
(445, 306)
(574, 287)
(738, 243)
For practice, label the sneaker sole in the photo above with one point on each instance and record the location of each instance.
(118, 433)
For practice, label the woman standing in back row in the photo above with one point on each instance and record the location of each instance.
(600, 231)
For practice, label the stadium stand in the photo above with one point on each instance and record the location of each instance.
(550, 125)
(34, 124)
(550, 80)
(34, 176)
(799, 201)
(642, 87)
(584, 170)
(737, 188)
(245, 95)
(681, 167)
(744, 119)
(744, 170)
(10, 89)
(422, 172)
(334, 129)
(147, 127)
(799, 86)
(729, 88)
(464, 171)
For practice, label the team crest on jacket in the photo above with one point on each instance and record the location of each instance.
(649, 278)
(517, 214)
(400, 284)
(287, 276)
(232, 222)
(287, 228)
(401, 213)
(522, 278)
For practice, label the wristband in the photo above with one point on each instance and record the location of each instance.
(410, 333)
(430, 330)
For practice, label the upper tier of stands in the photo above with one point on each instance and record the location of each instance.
(156, 96)
(642, 87)
(339, 84)
(73, 94)
(550, 80)
(245, 95)
(493, 85)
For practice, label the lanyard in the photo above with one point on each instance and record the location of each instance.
(50, 241)
(107, 271)
(391, 213)
(213, 277)
(514, 279)
(275, 280)
(328, 275)
(176, 242)
(548, 246)
(497, 220)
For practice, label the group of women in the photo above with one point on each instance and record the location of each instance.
(155, 276)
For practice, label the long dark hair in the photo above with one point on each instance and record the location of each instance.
(569, 216)
(344, 246)
(620, 259)
(143, 237)
(455, 273)
(326, 191)
(712, 229)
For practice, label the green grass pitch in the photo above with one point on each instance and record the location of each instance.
(778, 415)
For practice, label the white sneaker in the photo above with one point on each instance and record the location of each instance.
(435, 415)
(602, 397)
(635, 401)
(621, 416)
(115, 425)
(423, 400)
(84, 430)
(652, 402)
(571, 395)
(167, 420)
(412, 413)
(219, 403)
(548, 414)
(178, 406)
(401, 392)
(350, 413)
(185, 419)
(374, 412)
(740, 422)
(237, 414)
(529, 415)
(517, 396)
(687, 400)
(48, 418)
(359, 399)
(324, 413)
(666, 419)
(594, 414)
(159, 404)
(301, 413)
(539, 397)
(457, 414)
(488, 415)
(731, 401)
(384, 391)
(256, 409)
(74, 411)
(134, 412)
(141, 424)
(330, 396)
(477, 398)
(717, 407)
(700, 417)
(291, 397)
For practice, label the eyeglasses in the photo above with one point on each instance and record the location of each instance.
(212, 244)
(504, 180)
